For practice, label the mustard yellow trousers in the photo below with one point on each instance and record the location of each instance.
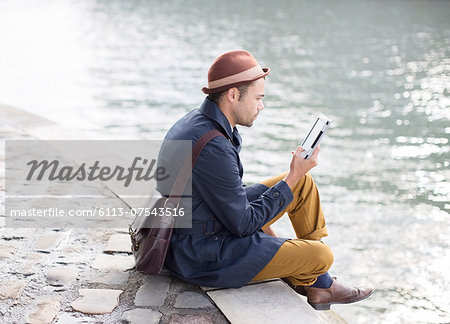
(303, 259)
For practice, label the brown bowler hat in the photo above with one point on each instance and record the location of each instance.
(233, 69)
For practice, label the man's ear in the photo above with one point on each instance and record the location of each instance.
(233, 94)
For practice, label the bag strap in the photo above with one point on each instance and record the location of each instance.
(188, 165)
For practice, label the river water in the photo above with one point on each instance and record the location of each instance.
(379, 69)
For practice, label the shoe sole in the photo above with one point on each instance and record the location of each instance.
(327, 306)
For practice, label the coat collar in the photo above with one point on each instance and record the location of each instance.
(210, 109)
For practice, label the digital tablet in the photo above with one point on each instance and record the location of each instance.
(314, 136)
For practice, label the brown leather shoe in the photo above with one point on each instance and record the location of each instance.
(321, 299)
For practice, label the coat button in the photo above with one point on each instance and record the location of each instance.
(215, 237)
(276, 194)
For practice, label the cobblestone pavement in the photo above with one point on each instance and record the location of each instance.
(83, 275)
(66, 276)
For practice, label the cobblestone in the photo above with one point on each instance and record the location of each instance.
(190, 299)
(191, 319)
(32, 259)
(11, 288)
(142, 316)
(61, 276)
(113, 262)
(153, 292)
(47, 242)
(118, 243)
(7, 249)
(97, 301)
(45, 310)
(110, 278)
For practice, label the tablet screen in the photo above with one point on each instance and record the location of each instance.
(314, 134)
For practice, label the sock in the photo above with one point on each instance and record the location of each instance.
(324, 281)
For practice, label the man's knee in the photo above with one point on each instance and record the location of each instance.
(305, 184)
(324, 257)
(309, 182)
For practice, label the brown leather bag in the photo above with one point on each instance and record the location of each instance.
(150, 235)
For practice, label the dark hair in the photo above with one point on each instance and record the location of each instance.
(242, 91)
(216, 96)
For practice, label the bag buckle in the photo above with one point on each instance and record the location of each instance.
(134, 243)
(165, 204)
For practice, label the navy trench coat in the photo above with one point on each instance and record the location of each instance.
(225, 246)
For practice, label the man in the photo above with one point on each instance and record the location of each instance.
(230, 242)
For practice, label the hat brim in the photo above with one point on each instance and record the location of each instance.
(207, 90)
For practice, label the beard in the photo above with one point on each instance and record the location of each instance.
(245, 115)
(248, 122)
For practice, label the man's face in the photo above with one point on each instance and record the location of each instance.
(249, 105)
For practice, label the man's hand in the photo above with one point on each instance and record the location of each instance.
(299, 166)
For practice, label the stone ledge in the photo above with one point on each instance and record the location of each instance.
(268, 302)
(36, 126)
(21, 119)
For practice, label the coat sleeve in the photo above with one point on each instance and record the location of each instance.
(254, 191)
(217, 179)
